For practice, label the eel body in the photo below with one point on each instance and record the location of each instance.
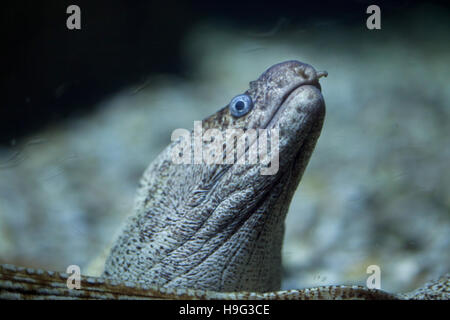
(214, 229)
(216, 226)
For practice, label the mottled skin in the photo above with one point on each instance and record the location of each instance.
(215, 231)
(221, 227)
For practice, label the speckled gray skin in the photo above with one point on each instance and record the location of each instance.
(221, 227)
(218, 228)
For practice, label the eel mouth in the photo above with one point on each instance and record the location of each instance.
(279, 112)
(310, 77)
(282, 106)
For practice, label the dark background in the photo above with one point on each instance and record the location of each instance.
(50, 73)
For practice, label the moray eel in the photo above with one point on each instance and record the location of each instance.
(214, 229)
(220, 226)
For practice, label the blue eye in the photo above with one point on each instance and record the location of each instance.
(241, 105)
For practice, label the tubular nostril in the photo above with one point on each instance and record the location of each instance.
(321, 74)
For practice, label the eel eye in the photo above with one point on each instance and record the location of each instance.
(240, 105)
